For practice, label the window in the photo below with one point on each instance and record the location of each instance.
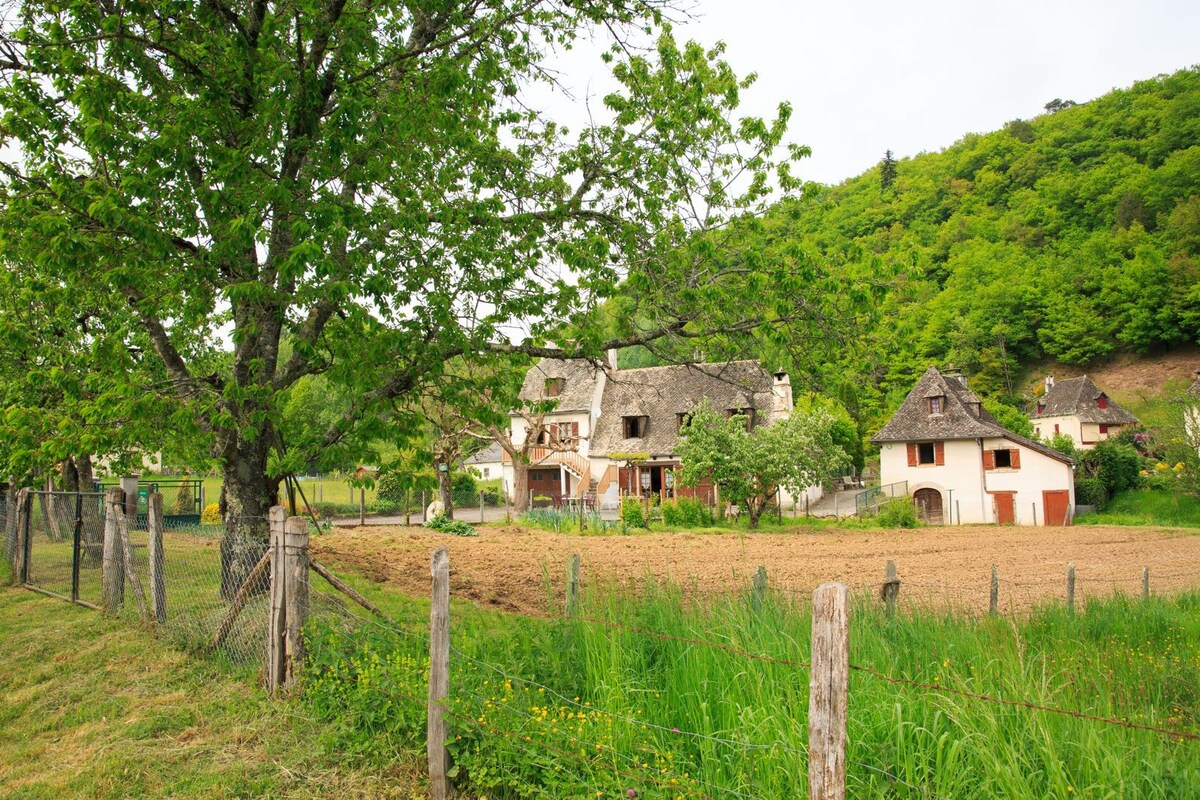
(486, 470)
(925, 453)
(1004, 459)
(554, 386)
(935, 405)
(682, 420)
(1102, 401)
(535, 477)
(1008, 458)
(1103, 428)
(748, 413)
(634, 427)
(1056, 427)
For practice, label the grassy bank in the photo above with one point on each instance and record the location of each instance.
(554, 708)
(93, 707)
(1149, 507)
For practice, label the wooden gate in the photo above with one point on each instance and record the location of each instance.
(929, 505)
(1005, 504)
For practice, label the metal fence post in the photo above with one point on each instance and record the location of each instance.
(76, 547)
(158, 586)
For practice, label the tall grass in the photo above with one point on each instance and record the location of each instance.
(1149, 507)
(595, 707)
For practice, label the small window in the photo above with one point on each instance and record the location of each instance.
(748, 413)
(683, 420)
(554, 386)
(543, 436)
(634, 427)
(1103, 428)
(1004, 459)
(535, 476)
(1056, 427)
(1102, 401)
(935, 405)
(925, 453)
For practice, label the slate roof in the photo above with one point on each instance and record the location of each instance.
(579, 382)
(488, 455)
(662, 393)
(962, 417)
(1077, 396)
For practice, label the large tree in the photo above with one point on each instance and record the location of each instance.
(271, 190)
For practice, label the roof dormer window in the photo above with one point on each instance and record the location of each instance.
(554, 386)
(1102, 401)
(937, 404)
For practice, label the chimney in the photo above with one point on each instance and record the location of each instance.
(781, 396)
(1049, 382)
(612, 359)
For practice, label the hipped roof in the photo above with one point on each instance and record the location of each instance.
(1077, 397)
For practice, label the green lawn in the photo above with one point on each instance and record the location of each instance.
(97, 707)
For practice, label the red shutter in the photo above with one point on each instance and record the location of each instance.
(939, 453)
(912, 454)
(1016, 458)
(989, 459)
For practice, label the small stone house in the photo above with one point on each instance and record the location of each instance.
(961, 466)
(1078, 408)
(614, 431)
(487, 462)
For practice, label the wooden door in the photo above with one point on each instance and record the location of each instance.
(929, 505)
(1057, 507)
(1006, 512)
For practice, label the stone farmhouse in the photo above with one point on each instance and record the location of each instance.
(613, 432)
(1078, 408)
(962, 466)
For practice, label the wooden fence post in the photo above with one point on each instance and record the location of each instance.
(994, 598)
(828, 692)
(1070, 585)
(123, 523)
(439, 673)
(362, 506)
(891, 588)
(112, 574)
(277, 622)
(573, 585)
(158, 586)
(295, 552)
(20, 537)
(759, 588)
(1145, 583)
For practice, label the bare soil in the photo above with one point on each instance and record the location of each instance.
(508, 568)
(1130, 377)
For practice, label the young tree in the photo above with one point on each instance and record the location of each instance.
(363, 182)
(748, 466)
(887, 171)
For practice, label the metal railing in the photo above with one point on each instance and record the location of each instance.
(868, 502)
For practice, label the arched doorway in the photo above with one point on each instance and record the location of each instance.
(929, 505)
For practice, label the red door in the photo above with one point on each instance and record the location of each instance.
(1057, 505)
(1005, 507)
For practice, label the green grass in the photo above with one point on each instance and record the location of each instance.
(522, 734)
(94, 707)
(1149, 507)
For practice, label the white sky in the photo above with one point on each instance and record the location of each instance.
(864, 76)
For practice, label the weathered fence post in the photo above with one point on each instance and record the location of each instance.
(20, 535)
(76, 547)
(129, 485)
(1145, 583)
(573, 585)
(994, 598)
(828, 692)
(111, 572)
(362, 506)
(481, 508)
(277, 622)
(891, 588)
(123, 524)
(158, 586)
(1070, 585)
(295, 552)
(439, 672)
(759, 590)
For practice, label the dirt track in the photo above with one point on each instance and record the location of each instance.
(503, 568)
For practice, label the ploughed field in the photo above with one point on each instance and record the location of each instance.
(520, 569)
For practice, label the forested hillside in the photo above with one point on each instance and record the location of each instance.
(1071, 236)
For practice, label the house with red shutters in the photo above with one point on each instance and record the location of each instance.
(1078, 408)
(961, 466)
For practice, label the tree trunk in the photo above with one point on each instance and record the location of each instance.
(87, 479)
(520, 486)
(444, 489)
(248, 494)
(70, 476)
(754, 508)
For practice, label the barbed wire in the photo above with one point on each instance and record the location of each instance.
(935, 687)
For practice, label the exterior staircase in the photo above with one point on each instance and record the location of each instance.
(573, 463)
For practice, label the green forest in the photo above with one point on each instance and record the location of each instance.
(1072, 236)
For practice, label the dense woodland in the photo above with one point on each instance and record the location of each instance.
(1072, 236)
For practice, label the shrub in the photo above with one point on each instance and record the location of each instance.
(185, 501)
(671, 515)
(464, 483)
(899, 512)
(694, 513)
(1091, 492)
(632, 513)
(454, 527)
(211, 514)
(1117, 465)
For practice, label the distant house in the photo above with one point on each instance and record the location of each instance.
(1078, 408)
(614, 432)
(487, 462)
(962, 466)
(1192, 418)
